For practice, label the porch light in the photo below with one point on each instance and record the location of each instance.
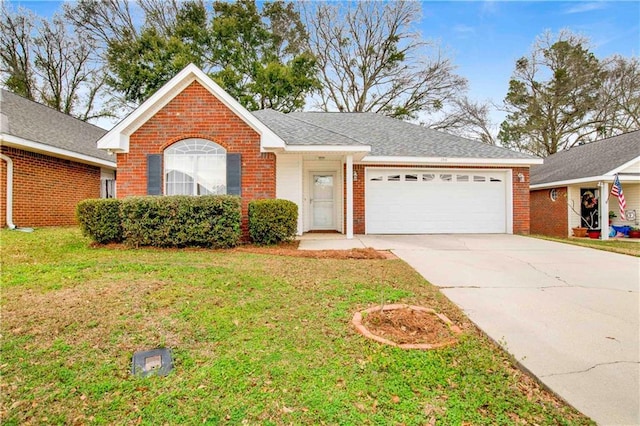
(520, 177)
(355, 175)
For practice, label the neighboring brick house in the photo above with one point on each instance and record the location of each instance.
(576, 184)
(49, 162)
(347, 172)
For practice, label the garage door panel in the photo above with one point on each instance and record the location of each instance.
(445, 202)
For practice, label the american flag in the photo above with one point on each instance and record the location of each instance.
(616, 190)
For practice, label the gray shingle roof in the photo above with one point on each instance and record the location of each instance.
(298, 132)
(589, 160)
(386, 136)
(38, 123)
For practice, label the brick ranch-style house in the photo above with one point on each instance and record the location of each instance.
(347, 172)
(561, 187)
(48, 163)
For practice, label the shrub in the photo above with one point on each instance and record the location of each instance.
(181, 221)
(272, 221)
(99, 219)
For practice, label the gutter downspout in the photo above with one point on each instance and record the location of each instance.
(9, 205)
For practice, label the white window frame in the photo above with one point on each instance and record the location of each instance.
(202, 161)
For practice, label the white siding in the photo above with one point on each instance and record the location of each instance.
(631, 195)
(573, 200)
(289, 182)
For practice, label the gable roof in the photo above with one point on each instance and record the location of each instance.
(32, 126)
(117, 139)
(592, 160)
(388, 137)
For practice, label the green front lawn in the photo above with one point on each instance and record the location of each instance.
(615, 245)
(256, 339)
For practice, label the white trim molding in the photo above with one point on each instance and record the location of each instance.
(623, 166)
(349, 184)
(451, 161)
(27, 145)
(604, 178)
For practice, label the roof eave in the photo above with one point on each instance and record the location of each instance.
(569, 182)
(452, 160)
(623, 166)
(32, 146)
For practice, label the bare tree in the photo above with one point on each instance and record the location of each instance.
(45, 62)
(371, 59)
(619, 104)
(469, 119)
(16, 67)
(104, 20)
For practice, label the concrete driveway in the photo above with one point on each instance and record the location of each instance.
(570, 315)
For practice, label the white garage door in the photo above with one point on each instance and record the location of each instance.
(411, 201)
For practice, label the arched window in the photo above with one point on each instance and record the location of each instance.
(195, 167)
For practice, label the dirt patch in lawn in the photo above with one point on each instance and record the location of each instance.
(409, 327)
(289, 248)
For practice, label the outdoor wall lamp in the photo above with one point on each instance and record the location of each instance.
(520, 177)
(355, 175)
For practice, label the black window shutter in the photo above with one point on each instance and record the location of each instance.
(154, 174)
(234, 174)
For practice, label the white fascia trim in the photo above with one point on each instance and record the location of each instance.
(117, 139)
(327, 148)
(452, 160)
(569, 182)
(624, 166)
(16, 142)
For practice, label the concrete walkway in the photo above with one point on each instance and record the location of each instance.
(570, 315)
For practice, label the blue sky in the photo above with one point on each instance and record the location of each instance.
(484, 38)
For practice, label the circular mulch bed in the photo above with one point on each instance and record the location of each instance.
(406, 327)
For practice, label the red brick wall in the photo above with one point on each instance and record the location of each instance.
(3, 191)
(520, 197)
(196, 113)
(521, 222)
(46, 189)
(549, 217)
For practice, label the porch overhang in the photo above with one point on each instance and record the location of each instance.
(624, 177)
(452, 161)
(357, 152)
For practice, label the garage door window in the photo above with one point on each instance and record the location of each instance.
(479, 179)
(428, 177)
(462, 178)
(394, 178)
(411, 178)
(446, 178)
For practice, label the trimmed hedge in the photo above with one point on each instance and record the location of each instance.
(181, 221)
(99, 220)
(272, 221)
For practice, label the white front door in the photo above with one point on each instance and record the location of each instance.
(323, 201)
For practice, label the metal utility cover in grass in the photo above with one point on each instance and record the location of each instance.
(156, 362)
